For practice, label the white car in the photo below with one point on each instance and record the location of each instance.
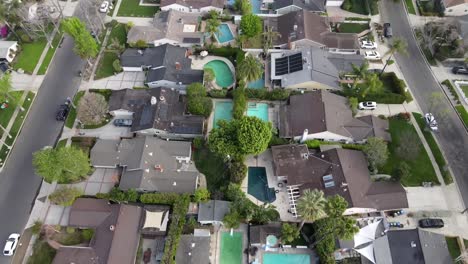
(372, 55)
(104, 7)
(367, 44)
(11, 244)
(367, 105)
(431, 122)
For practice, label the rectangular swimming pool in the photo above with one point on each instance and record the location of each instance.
(258, 84)
(224, 35)
(257, 185)
(223, 111)
(272, 258)
(259, 110)
(231, 248)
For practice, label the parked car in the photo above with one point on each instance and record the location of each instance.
(431, 223)
(372, 55)
(387, 30)
(11, 244)
(104, 8)
(431, 122)
(62, 113)
(367, 44)
(459, 70)
(367, 105)
(123, 122)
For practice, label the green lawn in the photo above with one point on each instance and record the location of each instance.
(439, 157)
(352, 27)
(7, 113)
(72, 114)
(50, 54)
(61, 143)
(410, 7)
(213, 167)
(420, 168)
(465, 89)
(132, 8)
(231, 248)
(453, 247)
(461, 109)
(105, 68)
(119, 32)
(361, 6)
(42, 253)
(29, 55)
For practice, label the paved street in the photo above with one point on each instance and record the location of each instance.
(452, 136)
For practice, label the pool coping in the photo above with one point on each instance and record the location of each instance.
(199, 64)
(226, 42)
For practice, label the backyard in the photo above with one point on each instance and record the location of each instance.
(406, 147)
(213, 167)
(132, 8)
(29, 55)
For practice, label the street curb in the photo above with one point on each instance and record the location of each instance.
(20, 129)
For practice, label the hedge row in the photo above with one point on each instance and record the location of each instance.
(235, 55)
(315, 143)
(452, 90)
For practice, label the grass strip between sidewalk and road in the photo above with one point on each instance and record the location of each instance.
(463, 113)
(453, 247)
(410, 7)
(7, 113)
(439, 157)
(72, 114)
(50, 53)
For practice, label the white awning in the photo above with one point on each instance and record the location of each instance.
(367, 252)
(366, 234)
(153, 219)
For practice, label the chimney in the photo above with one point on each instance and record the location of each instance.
(159, 168)
(413, 244)
(178, 66)
(304, 135)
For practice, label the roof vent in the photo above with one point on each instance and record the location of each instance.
(151, 153)
(172, 124)
(161, 98)
(413, 244)
(344, 184)
(153, 100)
(190, 253)
(180, 20)
(178, 170)
(111, 227)
(295, 27)
(174, 184)
(178, 66)
(193, 244)
(158, 168)
(322, 156)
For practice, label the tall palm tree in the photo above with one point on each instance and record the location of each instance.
(398, 45)
(311, 206)
(373, 85)
(360, 72)
(269, 36)
(212, 26)
(250, 69)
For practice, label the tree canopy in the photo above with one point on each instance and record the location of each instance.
(85, 45)
(311, 205)
(251, 25)
(92, 108)
(376, 151)
(250, 69)
(240, 137)
(64, 165)
(289, 232)
(197, 102)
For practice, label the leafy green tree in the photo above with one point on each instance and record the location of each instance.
(250, 69)
(269, 37)
(132, 195)
(237, 171)
(85, 45)
(233, 192)
(376, 152)
(346, 227)
(64, 165)
(208, 75)
(251, 25)
(398, 45)
(402, 171)
(116, 65)
(37, 227)
(336, 205)
(239, 99)
(353, 104)
(244, 6)
(201, 195)
(373, 85)
(196, 90)
(311, 206)
(232, 219)
(289, 232)
(65, 196)
(263, 214)
(198, 103)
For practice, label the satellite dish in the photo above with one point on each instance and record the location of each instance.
(153, 100)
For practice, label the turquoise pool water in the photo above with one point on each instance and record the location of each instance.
(224, 35)
(256, 4)
(258, 185)
(259, 110)
(222, 73)
(223, 111)
(272, 258)
(258, 84)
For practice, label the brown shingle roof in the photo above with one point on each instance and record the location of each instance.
(348, 169)
(450, 3)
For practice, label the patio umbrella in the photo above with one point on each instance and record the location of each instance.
(204, 53)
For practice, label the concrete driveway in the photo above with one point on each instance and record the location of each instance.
(121, 81)
(389, 109)
(108, 131)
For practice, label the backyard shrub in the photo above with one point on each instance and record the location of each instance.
(87, 234)
(404, 116)
(275, 140)
(237, 171)
(235, 55)
(118, 195)
(313, 144)
(141, 44)
(70, 230)
(37, 227)
(449, 85)
(263, 94)
(218, 93)
(198, 103)
(198, 142)
(239, 103)
(201, 195)
(251, 25)
(116, 65)
(65, 196)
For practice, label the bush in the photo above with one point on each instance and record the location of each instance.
(222, 93)
(235, 55)
(449, 85)
(208, 75)
(396, 84)
(87, 234)
(239, 103)
(404, 116)
(347, 5)
(201, 195)
(118, 195)
(263, 94)
(116, 65)
(237, 171)
(65, 196)
(70, 230)
(402, 171)
(251, 25)
(37, 227)
(140, 44)
(313, 144)
(198, 142)
(200, 106)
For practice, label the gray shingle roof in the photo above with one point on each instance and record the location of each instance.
(258, 234)
(434, 247)
(213, 210)
(194, 3)
(310, 5)
(193, 250)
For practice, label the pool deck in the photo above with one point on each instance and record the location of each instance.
(210, 120)
(304, 251)
(198, 62)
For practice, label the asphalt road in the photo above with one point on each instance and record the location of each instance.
(18, 182)
(452, 134)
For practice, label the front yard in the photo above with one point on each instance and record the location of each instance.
(406, 147)
(29, 55)
(352, 27)
(463, 113)
(363, 7)
(453, 247)
(7, 113)
(464, 89)
(132, 8)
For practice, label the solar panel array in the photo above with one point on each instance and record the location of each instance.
(289, 64)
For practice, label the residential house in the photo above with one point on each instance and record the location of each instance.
(148, 163)
(258, 234)
(336, 171)
(158, 111)
(116, 232)
(311, 68)
(169, 27)
(305, 28)
(196, 6)
(287, 6)
(212, 212)
(453, 7)
(325, 116)
(8, 50)
(166, 65)
(194, 249)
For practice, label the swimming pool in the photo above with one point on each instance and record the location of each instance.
(225, 34)
(258, 84)
(272, 258)
(223, 111)
(256, 5)
(258, 185)
(259, 110)
(222, 73)
(231, 248)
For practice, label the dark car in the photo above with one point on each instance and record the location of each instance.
(62, 113)
(459, 70)
(387, 30)
(123, 122)
(431, 223)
